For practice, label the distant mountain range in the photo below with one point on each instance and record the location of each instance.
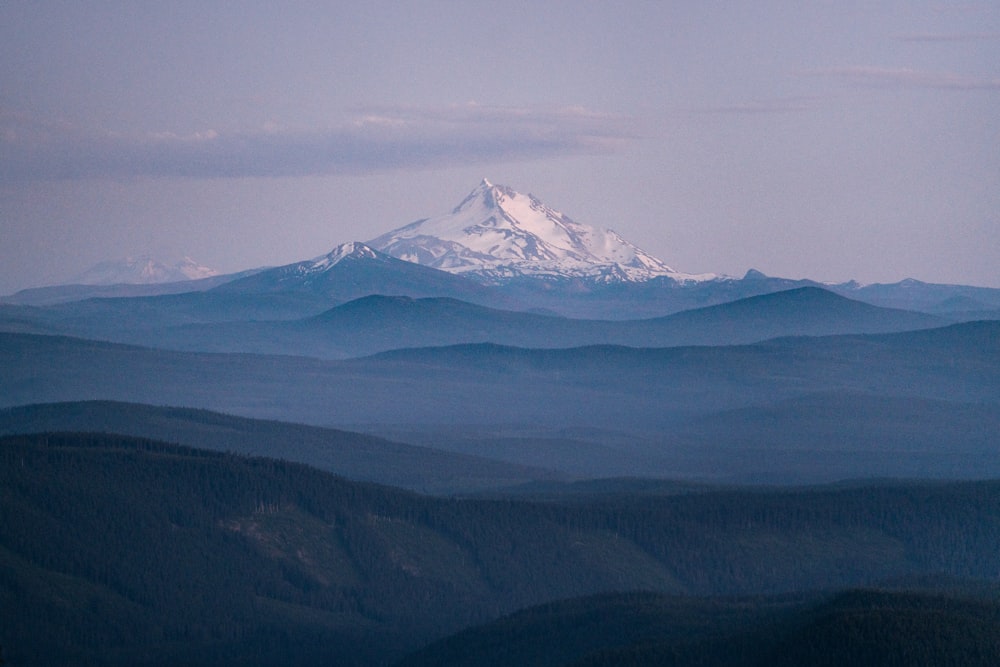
(629, 368)
(228, 320)
(602, 410)
(143, 270)
(501, 249)
(584, 409)
(352, 270)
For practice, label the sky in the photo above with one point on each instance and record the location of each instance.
(829, 140)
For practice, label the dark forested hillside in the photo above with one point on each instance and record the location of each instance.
(352, 455)
(115, 550)
(875, 628)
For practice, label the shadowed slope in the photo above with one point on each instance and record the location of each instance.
(115, 550)
(352, 455)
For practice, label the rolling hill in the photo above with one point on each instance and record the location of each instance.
(881, 627)
(267, 323)
(647, 396)
(351, 455)
(116, 550)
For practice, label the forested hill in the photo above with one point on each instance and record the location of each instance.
(116, 550)
(938, 626)
(352, 455)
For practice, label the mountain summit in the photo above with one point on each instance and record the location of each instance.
(143, 270)
(496, 234)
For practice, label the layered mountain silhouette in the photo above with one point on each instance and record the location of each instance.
(144, 269)
(350, 455)
(378, 323)
(195, 472)
(547, 400)
(503, 249)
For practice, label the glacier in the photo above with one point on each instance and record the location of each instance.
(497, 234)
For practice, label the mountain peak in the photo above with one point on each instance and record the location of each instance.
(349, 250)
(143, 270)
(485, 194)
(497, 233)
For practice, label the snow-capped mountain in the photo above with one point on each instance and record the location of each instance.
(353, 270)
(496, 234)
(143, 270)
(349, 250)
(311, 273)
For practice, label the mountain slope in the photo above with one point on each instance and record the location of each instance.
(353, 270)
(378, 323)
(57, 294)
(876, 628)
(534, 257)
(928, 297)
(803, 311)
(351, 455)
(121, 551)
(644, 395)
(496, 234)
(399, 322)
(290, 292)
(597, 385)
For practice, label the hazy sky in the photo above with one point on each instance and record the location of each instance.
(834, 140)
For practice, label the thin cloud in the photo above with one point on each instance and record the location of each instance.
(951, 37)
(759, 107)
(901, 77)
(372, 140)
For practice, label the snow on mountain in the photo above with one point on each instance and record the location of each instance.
(143, 270)
(316, 271)
(193, 270)
(350, 250)
(354, 270)
(496, 234)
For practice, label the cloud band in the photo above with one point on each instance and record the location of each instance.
(372, 140)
